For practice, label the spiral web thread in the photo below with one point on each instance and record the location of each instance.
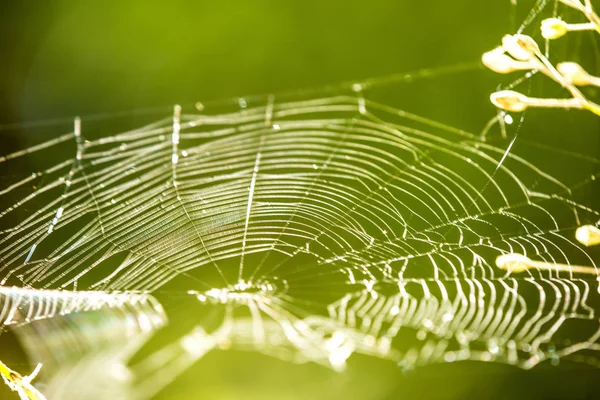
(316, 228)
(261, 210)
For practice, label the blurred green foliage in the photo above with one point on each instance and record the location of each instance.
(63, 58)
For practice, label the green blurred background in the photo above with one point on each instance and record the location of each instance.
(62, 58)
(65, 58)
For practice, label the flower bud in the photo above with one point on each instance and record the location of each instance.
(512, 262)
(573, 73)
(588, 235)
(509, 100)
(520, 47)
(553, 28)
(499, 62)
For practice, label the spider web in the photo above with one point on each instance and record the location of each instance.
(309, 229)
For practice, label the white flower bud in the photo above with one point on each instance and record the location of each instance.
(553, 28)
(512, 262)
(509, 100)
(520, 47)
(499, 62)
(574, 73)
(588, 235)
